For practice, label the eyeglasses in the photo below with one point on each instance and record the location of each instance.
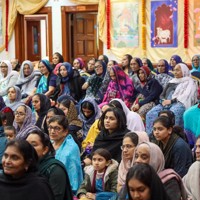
(195, 60)
(56, 128)
(19, 113)
(127, 146)
(133, 64)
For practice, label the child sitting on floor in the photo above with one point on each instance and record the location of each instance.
(100, 178)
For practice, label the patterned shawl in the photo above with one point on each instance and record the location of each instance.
(22, 132)
(122, 87)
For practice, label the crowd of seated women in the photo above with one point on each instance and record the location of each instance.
(100, 130)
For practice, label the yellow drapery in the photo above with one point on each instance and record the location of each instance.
(152, 53)
(24, 7)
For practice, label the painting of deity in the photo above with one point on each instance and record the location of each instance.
(125, 24)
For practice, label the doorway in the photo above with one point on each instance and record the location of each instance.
(33, 45)
(80, 33)
(34, 35)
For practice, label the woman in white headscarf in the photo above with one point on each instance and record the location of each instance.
(8, 77)
(14, 98)
(179, 94)
(27, 78)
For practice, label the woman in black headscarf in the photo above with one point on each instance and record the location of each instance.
(41, 103)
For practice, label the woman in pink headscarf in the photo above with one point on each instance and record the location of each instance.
(120, 86)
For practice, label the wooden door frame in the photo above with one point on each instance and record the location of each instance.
(20, 33)
(32, 18)
(65, 12)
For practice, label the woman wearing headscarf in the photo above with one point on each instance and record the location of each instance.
(174, 60)
(56, 69)
(47, 83)
(88, 113)
(179, 94)
(191, 118)
(120, 86)
(41, 104)
(130, 141)
(195, 66)
(133, 119)
(14, 98)
(23, 120)
(8, 77)
(148, 92)
(22, 181)
(162, 73)
(112, 125)
(27, 78)
(70, 82)
(95, 82)
(79, 65)
(192, 179)
(150, 153)
(104, 58)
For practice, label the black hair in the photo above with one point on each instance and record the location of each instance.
(61, 59)
(119, 114)
(61, 120)
(66, 103)
(133, 136)
(169, 123)
(116, 104)
(89, 106)
(56, 111)
(10, 128)
(147, 175)
(169, 114)
(104, 153)
(45, 140)
(8, 115)
(165, 121)
(28, 152)
(129, 57)
(114, 62)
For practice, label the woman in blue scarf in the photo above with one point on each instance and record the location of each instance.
(47, 83)
(162, 73)
(67, 150)
(71, 81)
(88, 113)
